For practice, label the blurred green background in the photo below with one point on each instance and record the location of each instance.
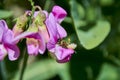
(94, 25)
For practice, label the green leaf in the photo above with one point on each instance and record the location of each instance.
(92, 37)
(108, 72)
(43, 70)
(5, 14)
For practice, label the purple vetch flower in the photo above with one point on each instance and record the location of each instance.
(35, 42)
(60, 51)
(7, 46)
(36, 35)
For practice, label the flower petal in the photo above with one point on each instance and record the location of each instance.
(51, 44)
(3, 24)
(41, 42)
(51, 26)
(22, 35)
(3, 28)
(65, 59)
(63, 54)
(8, 37)
(59, 13)
(1, 33)
(52, 29)
(61, 32)
(13, 52)
(32, 49)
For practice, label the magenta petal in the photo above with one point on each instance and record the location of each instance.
(59, 13)
(8, 37)
(32, 50)
(51, 26)
(42, 45)
(1, 33)
(52, 29)
(22, 35)
(41, 42)
(13, 52)
(51, 44)
(65, 59)
(63, 53)
(3, 24)
(3, 28)
(61, 31)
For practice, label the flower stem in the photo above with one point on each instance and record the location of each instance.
(3, 70)
(33, 10)
(24, 64)
(25, 51)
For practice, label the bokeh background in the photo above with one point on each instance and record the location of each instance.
(100, 62)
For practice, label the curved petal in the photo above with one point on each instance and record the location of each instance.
(59, 13)
(50, 45)
(61, 31)
(3, 28)
(8, 37)
(22, 35)
(52, 29)
(32, 49)
(51, 26)
(13, 52)
(3, 24)
(44, 32)
(41, 42)
(42, 45)
(1, 33)
(65, 59)
(63, 53)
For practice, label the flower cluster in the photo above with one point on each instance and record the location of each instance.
(44, 32)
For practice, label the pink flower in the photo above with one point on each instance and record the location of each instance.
(7, 46)
(36, 43)
(57, 33)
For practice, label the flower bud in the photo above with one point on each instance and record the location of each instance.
(20, 24)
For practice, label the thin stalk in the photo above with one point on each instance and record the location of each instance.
(25, 51)
(30, 18)
(33, 10)
(3, 70)
(24, 65)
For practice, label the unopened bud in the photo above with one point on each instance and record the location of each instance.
(20, 24)
(40, 18)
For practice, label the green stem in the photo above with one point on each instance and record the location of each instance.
(25, 51)
(3, 70)
(32, 14)
(24, 64)
(33, 10)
